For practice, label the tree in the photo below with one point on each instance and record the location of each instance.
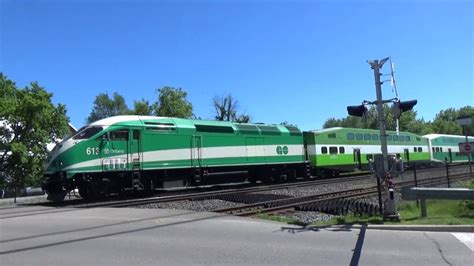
(142, 107)
(286, 123)
(28, 122)
(468, 111)
(445, 122)
(226, 109)
(172, 102)
(104, 107)
(243, 118)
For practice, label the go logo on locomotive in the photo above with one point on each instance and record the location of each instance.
(282, 150)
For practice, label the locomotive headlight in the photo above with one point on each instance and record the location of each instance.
(60, 163)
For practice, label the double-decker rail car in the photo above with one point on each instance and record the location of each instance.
(143, 152)
(446, 147)
(335, 150)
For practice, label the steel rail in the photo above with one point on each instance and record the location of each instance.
(291, 203)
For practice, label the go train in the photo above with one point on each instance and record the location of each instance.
(123, 153)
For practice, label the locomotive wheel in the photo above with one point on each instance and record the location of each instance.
(88, 191)
(83, 191)
(149, 187)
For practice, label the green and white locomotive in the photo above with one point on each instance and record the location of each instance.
(144, 152)
(335, 150)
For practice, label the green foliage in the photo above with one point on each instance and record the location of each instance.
(445, 121)
(142, 107)
(467, 206)
(28, 122)
(286, 123)
(438, 212)
(172, 102)
(104, 107)
(278, 218)
(243, 118)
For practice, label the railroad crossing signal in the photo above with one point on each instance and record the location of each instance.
(399, 107)
(357, 110)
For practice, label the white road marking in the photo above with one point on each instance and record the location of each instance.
(466, 238)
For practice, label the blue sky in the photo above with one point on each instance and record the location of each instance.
(295, 61)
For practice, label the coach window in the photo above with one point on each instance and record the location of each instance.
(407, 138)
(395, 138)
(375, 137)
(420, 149)
(359, 136)
(401, 138)
(332, 135)
(441, 149)
(324, 150)
(342, 150)
(437, 149)
(389, 137)
(414, 149)
(350, 136)
(366, 136)
(332, 150)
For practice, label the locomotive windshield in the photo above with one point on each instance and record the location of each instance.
(87, 132)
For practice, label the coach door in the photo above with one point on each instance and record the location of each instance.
(135, 155)
(450, 154)
(357, 161)
(407, 154)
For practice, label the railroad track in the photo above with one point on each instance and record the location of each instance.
(227, 192)
(212, 194)
(179, 196)
(27, 210)
(289, 204)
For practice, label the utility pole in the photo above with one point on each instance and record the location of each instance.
(382, 162)
(389, 210)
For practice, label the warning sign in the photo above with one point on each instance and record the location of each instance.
(466, 147)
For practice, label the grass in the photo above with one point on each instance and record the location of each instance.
(439, 212)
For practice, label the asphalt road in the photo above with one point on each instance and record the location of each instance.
(108, 236)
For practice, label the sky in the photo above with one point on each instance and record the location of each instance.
(296, 61)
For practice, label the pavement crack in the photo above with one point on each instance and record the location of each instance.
(439, 248)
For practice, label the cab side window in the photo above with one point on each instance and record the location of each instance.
(119, 134)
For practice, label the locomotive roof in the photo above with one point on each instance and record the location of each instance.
(346, 129)
(433, 136)
(123, 118)
(189, 123)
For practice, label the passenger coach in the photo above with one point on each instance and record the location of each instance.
(335, 150)
(446, 147)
